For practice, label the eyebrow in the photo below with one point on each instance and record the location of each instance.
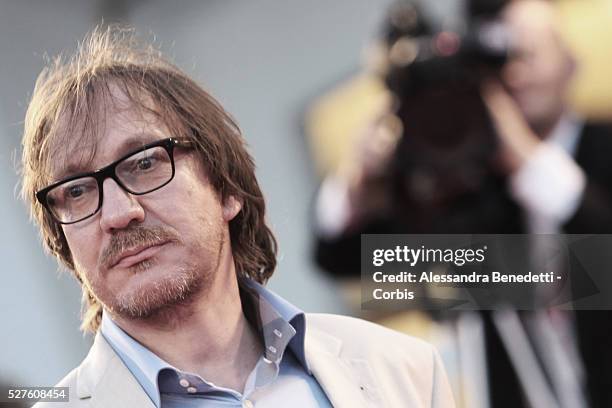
(132, 143)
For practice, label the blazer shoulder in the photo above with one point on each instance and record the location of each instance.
(362, 335)
(406, 368)
(69, 381)
(352, 329)
(94, 363)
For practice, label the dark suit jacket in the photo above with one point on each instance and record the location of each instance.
(492, 210)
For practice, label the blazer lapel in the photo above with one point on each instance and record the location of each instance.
(107, 381)
(347, 383)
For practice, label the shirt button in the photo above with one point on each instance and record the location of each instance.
(184, 383)
(192, 390)
(247, 404)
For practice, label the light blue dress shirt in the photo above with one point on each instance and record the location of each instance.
(280, 378)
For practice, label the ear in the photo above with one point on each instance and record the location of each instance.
(231, 208)
(572, 65)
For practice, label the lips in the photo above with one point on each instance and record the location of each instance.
(136, 255)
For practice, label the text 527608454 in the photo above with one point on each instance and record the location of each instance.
(35, 394)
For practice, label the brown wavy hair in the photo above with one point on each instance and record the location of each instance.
(68, 98)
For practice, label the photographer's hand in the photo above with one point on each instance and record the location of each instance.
(543, 177)
(358, 191)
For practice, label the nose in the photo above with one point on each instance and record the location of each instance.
(119, 208)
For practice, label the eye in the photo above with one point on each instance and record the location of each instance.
(145, 163)
(75, 191)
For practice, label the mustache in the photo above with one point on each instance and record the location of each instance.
(133, 237)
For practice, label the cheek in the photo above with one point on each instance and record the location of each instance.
(190, 208)
(84, 245)
(199, 220)
(195, 198)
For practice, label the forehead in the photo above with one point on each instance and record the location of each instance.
(532, 20)
(112, 126)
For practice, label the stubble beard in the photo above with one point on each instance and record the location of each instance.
(152, 300)
(167, 301)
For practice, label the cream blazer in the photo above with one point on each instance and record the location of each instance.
(357, 364)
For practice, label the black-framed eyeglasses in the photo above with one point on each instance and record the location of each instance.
(143, 171)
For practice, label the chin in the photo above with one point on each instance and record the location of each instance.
(152, 288)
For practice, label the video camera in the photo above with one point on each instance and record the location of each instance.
(447, 147)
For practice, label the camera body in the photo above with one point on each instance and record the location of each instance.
(446, 155)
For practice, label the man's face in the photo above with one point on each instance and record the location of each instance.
(140, 254)
(538, 75)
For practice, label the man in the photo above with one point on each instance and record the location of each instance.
(551, 155)
(144, 190)
(556, 178)
(559, 174)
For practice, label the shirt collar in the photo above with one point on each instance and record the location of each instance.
(271, 306)
(276, 320)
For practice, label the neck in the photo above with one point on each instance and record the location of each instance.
(545, 128)
(212, 338)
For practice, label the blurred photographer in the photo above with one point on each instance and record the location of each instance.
(478, 137)
(472, 140)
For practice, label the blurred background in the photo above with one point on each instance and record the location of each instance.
(285, 70)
